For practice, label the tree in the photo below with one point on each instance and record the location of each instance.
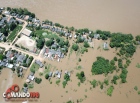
(12, 26)
(4, 39)
(47, 76)
(8, 8)
(2, 56)
(138, 38)
(38, 80)
(86, 45)
(49, 42)
(66, 77)
(61, 43)
(25, 85)
(58, 40)
(81, 76)
(32, 15)
(115, 59)
(75, 47)
(66, 43)
(106, 82)
(40, 43)
(91, 35)
(93, 83)
(5, 31)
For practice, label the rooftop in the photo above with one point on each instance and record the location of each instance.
(26, 32)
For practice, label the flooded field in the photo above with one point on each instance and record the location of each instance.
(115, 16)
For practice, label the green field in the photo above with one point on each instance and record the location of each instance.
(34, 67)
(49, 35)
(13, 34)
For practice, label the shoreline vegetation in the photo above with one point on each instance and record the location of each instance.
(48, 32)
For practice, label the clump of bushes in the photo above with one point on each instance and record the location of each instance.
(81, 76)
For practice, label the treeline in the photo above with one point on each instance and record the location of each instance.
(21, 11)
(125, 42)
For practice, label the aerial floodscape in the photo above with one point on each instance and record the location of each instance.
(69, 51)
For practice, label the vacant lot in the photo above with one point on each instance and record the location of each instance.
(13, 34)
(26, 42)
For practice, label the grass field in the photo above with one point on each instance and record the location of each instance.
(34, 67)
(13, 34)
(48, 34)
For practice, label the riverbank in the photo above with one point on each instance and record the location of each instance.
(115, 16)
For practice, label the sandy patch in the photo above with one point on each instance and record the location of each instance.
(26, 42)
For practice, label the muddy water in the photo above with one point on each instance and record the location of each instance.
(115, 16)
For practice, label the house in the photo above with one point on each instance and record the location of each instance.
(39, 63)
(105, 45)
(8, 53)
(1, 37)
(75, 36)
(50, 74)
(96, 36)
(26, 17)
(66, 72)
(6, 12)
(25, 89)
(31, 76)
(21, 58)
(10, 20)
(59, 75)
(26, 32)
(10, 66)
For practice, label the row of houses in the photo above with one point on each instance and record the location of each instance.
(14, 59)
(53, 54)
(1, 36)
(57, 30)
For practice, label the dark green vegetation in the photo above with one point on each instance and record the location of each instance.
(110, 90)
(75, 47)
(38, 80)
(21, 11)
(81, 76)
(34, 67)
(66, 79)
(47, 76)
(94, 83)
(86, 45)
(69, 101)
(125, 42)
(2, 56)
(102, 65)
(25, 85)
(136, 88)
(40, 43)
(57, 82)
(14, 33)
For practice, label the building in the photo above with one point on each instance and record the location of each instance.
(26, 32)
(96, 36)
(39, 63)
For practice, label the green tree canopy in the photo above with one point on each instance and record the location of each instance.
(40, 43)
(75, 47)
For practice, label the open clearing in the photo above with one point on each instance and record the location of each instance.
(26, 42)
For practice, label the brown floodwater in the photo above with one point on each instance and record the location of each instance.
(113, 15)
(116, 16)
